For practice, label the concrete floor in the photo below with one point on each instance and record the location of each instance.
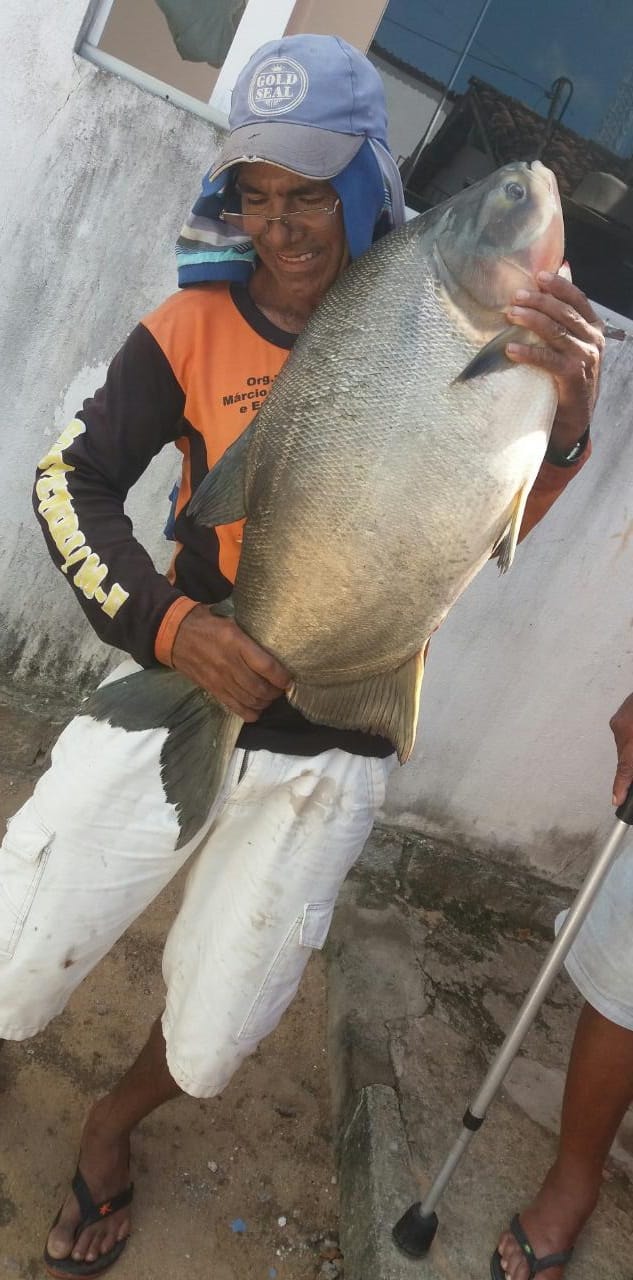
(430, 955)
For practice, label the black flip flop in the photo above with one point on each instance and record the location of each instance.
(536, 1264)
(67, 1268)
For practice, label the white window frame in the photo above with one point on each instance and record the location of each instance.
(262, 20)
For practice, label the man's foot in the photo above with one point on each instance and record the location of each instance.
(104, 1164)
(552, 1224)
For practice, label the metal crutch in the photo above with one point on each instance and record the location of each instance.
(415, 1231)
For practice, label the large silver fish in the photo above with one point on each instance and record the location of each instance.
(392, 458)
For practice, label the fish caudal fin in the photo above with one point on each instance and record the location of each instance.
(201, 735)
(507, 544)
(385, 704)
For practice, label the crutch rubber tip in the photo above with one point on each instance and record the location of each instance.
(414, 1233)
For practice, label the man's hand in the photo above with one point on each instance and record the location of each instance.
(573, 343)
(621, 725)
(217, 655)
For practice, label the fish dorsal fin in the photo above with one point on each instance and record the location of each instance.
(507, 544)
(221, 497)
(385, 704)
(492, 358)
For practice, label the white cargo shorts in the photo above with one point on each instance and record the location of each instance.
(600, 962)
(97, 842)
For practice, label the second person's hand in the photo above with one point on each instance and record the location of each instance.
(621, 725)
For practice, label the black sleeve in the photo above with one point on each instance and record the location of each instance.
(81, 486)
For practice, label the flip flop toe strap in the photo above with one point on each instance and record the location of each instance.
(537, 1264)
(90, 1210)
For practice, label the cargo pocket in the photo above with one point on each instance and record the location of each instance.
(23, 857)
(317, 918)
(308, 933)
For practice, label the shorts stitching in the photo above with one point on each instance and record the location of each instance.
(264, 985)
(371, 799)
(29, 896)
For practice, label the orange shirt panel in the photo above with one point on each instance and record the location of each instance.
(226, 370)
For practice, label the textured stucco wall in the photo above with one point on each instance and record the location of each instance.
(96, 179)
(514, 749)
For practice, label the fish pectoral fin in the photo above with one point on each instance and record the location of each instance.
(220, 497)
(385, 704)
(492, 358)
(505, 548)
(224, 608)
(200, 736)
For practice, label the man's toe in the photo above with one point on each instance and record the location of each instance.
(88, 1246)
(109, 1241)
(60, 1242)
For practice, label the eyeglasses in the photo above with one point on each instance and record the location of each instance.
(255, 224)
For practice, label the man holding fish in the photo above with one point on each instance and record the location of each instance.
(296, 752)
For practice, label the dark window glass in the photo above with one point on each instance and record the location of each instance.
(547, 80)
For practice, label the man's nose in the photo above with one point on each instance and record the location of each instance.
(282, 231)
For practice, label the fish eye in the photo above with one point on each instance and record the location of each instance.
(514, 190)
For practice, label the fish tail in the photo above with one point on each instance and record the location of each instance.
(201, 735)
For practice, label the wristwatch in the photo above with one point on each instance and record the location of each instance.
(572, 455)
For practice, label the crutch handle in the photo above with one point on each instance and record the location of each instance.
(625, 811)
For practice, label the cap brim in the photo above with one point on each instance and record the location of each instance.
(313, 153)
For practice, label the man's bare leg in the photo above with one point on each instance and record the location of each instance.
(105, 1150)
(598, 1091)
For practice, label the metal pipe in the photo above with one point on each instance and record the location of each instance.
(413, 159)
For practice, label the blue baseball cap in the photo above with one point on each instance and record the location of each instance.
(306, 103)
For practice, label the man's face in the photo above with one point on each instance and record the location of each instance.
(302, 257)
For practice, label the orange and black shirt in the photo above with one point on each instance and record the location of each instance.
(192, 373)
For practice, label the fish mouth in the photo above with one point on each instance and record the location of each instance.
(543, 174)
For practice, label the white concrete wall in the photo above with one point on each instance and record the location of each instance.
(97, 177)
(514, 751)
(410, 106)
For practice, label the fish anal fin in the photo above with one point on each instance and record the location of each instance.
(492, 358)
(385, 704)
(506, 546)
(220, 498)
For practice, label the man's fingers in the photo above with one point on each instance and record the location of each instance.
(562, 288)
(241, 700)
(237, 706)
(554, 362)
(250, 686)
(622, 781)
(264, 665)
(554, 320)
